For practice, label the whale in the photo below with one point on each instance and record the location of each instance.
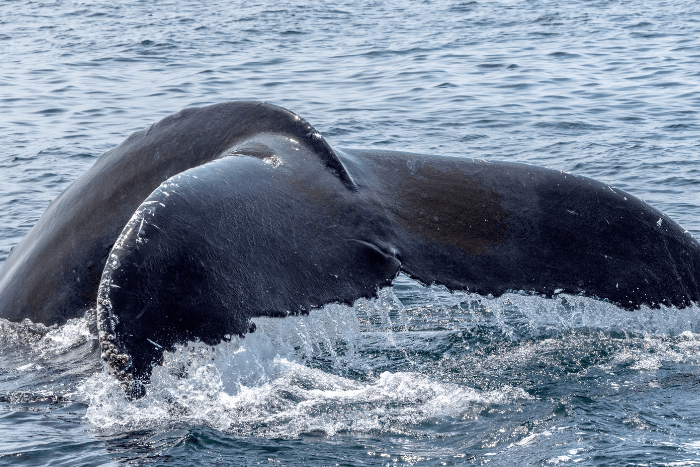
(216, 215)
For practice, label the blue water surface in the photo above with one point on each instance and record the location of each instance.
(606, 89)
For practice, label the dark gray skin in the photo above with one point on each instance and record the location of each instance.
(53, 273)
(263, 218)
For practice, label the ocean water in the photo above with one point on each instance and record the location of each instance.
(419, 376)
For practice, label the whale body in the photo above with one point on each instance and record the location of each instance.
(216, 215)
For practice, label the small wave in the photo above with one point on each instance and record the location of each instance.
(43, 340)
(563, 55)
(45, 364)
(24, 333)
(570, 126)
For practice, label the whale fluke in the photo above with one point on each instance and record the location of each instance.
(220, 214)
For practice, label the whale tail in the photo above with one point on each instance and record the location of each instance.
(271, 231)
(492, 227)
(216, 215)
(267, 230)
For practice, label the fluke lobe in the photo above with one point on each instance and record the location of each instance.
(219, 214)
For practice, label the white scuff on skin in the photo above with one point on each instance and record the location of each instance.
(106, 319)
(154, 343)
(274, 161)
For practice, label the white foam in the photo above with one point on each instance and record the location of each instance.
(519, 314)
(298, 400)
(310, 374)
(72, 334)
(39, 341)
(285, 380)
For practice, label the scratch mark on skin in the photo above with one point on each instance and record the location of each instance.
(157, 345)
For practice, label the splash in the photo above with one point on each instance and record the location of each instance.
(40, 341)
(394, 364)
(40, 363)
(304, 375)
(297, 400)
(519, 314)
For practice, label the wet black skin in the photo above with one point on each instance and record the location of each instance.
(263, 218)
